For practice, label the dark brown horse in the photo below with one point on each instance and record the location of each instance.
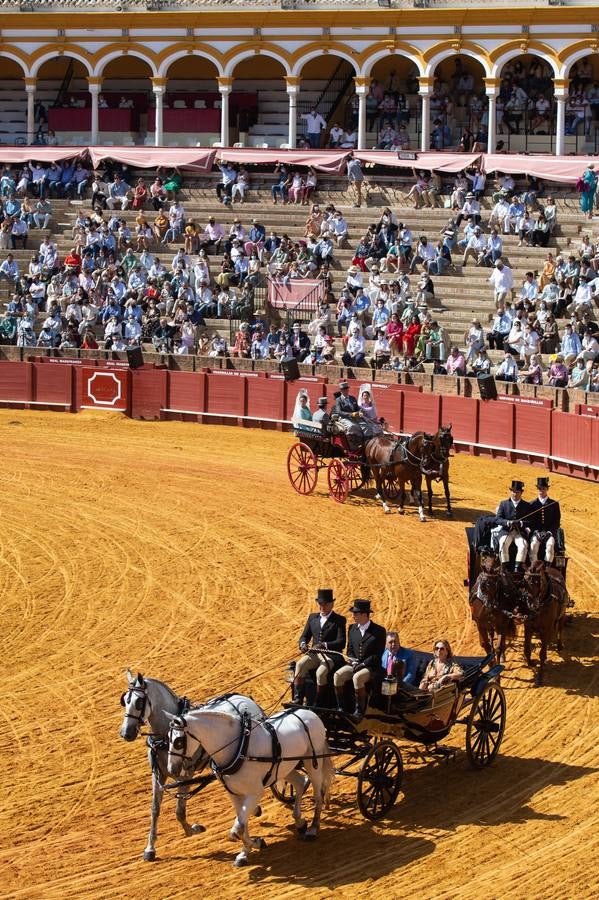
(399, 461)
(494, 602)
(547, 599)
(442, 442)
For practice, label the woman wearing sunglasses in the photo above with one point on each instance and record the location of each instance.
(442, 669)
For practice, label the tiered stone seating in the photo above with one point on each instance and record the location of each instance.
(460, 296)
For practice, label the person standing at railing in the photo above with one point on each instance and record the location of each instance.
(315, 124)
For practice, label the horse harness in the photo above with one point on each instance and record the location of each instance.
(179, 747)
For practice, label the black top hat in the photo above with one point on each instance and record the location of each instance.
(325, 595)
(517, 486)
(542, 482)
(360, 606)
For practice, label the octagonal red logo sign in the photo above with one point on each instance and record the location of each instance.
(105, 390)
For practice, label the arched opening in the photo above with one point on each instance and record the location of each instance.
(326, 88)
(258, 105)
(191, 112)
(126, 102)
(61, 91)
(458, 104)
(582, 106)
(13, 103)
(393, 105)
(525, 104)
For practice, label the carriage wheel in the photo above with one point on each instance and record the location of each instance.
(286, 796)
(302, 468)
(354, 476)
(391, 486)
(379, 780)
(485, 726)
(338, 480)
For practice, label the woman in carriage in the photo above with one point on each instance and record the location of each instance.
(301, 410)
(369, 422)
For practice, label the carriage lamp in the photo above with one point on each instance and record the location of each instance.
(389, 687)
(290, 672)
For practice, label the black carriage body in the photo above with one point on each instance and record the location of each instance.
(473, 559)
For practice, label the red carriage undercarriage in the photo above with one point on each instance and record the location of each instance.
(317, 449)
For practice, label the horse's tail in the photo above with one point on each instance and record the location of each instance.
(328, 776)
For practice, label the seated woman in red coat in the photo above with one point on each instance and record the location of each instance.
(411, 335)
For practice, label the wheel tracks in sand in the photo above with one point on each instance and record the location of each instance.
(212, 583)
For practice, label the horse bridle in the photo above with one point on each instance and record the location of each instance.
(140, 703)
(178, 746)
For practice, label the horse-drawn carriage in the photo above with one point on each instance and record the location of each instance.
(395, 711)
(394, 462)
(478, 543)
(317, 449)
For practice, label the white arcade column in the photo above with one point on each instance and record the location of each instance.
(224, 85)
(425, 115)
(293, 89)
(30, 89)
(158, 87)
(94, 85)
(362, 86)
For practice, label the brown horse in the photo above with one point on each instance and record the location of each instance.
(547, 599)
(493, 601)
(443, 442)
(392, 460)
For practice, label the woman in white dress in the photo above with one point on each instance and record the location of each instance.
(369, 422)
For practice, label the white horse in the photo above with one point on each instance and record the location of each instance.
(249, 757)
(149, 700)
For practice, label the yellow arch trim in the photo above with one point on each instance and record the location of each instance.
(125, 48)
(60, 49)
(328, 48)
(7, 51)
(457, 47)
(190, 49)
(573, 49)
(256, 47)
(531, 47)
(392, 48)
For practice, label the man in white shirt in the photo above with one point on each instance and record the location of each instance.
(335, 135)
(530, 288)
(314, 125)
(498, 213)
(583, 298)
(355, 352)
(475, 247)
(493, 248)
(508, 370)
(503, 282)
(9, 269)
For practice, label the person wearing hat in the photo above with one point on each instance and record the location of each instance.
(347, 411)
(326, 630)
(470, 210)
(511, 517)
(545, 522)
(321, 415)
(366, 643)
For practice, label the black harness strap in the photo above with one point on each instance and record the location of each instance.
(276, 753)
(240, 755)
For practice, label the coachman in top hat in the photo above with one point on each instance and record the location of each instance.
(544, 522)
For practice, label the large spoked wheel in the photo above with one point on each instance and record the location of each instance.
(354, 476)
(391, 486)
(379, 780)
(485, 726)
(338, 480)
(302, 468)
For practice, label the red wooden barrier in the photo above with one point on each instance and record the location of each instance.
(266, 398)
(421, 412)
(225, 392)
(15, 382)
(52, 385)
(388, 399)
(532, 430)
(594, 460)
(571, 437)
(186, 392)
(495, 425)
(148, 393)
(462, 413)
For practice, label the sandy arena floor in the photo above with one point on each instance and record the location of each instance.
(183, 552)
